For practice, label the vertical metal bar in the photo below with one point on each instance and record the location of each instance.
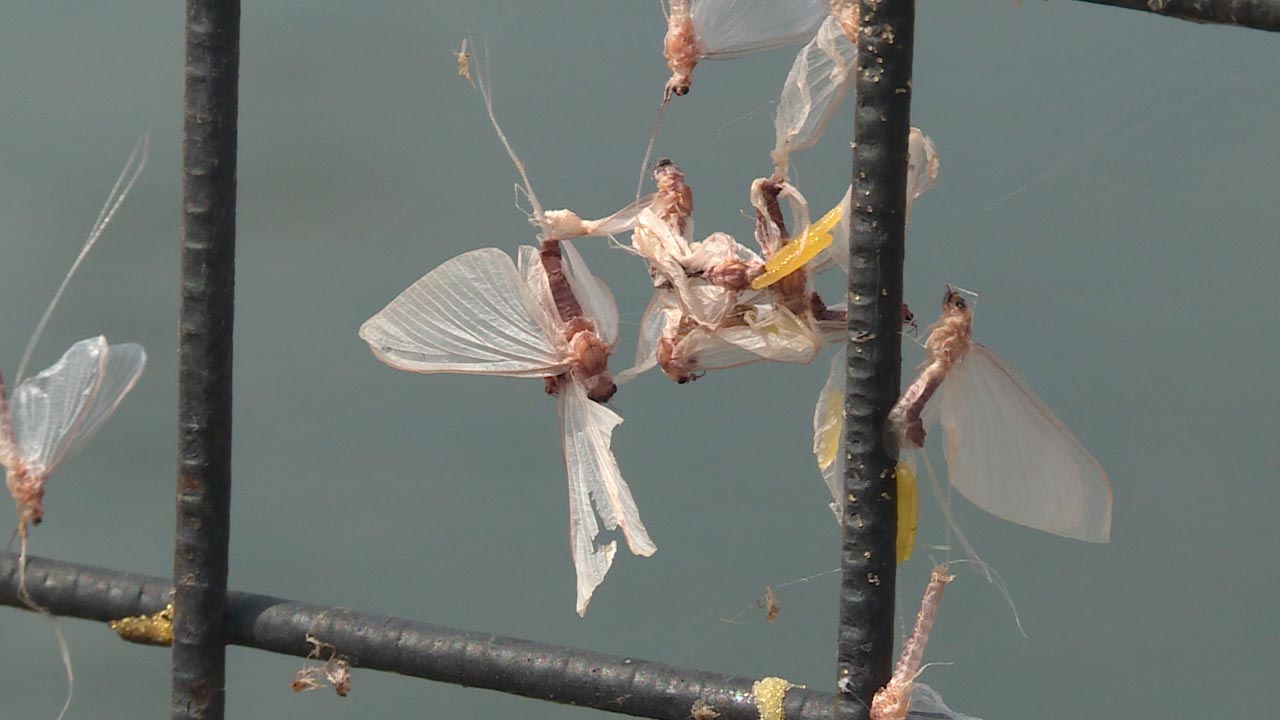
(210, 103)
(881, 124)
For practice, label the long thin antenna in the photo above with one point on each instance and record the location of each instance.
(648, 151)
(486, 92)
(119, 191)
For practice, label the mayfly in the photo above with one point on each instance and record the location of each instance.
(722, 29)
(549, 318)
(51, 416)
(719, 29)
(464, 63)
(1005, 450)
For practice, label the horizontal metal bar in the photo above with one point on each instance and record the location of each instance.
(378, 642)
(1256, 14)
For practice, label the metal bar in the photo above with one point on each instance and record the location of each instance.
(210, 103)
(882, 115)
(1257, 14)
(378, 642)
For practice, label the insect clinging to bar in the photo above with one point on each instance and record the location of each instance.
(1005, 450)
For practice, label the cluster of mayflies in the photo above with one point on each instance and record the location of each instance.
(719, 304)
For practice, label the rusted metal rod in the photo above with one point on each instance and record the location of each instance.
(210, 104)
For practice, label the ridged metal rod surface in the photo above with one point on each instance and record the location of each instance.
(882, 115)
(378, 642)
(1256, 14)
(210, 104)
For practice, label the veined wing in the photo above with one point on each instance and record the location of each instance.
(819, 79)
(922, 174)
(731, 28)
(922, 167)
(828, 430)
(55, 413)
(927, 704)
(595, 487)
(473, 314)
(1008, 454)
(662, 308)
(594, 296)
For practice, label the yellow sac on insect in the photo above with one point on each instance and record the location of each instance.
(792, 256)
(908, 510)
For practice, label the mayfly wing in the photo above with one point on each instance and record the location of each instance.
(732, 28)
(662, 310)
(922, 174)
(595, 487)
(819, 79)
(1009, 455)
(50, 405)
(776, 334)
(473, 314)
(828, 430)
(125, 363)
(596, 298)
(922, 167)
(927, 704)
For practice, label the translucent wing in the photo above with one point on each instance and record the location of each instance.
(662, 308)
(125, 363)
(775, 334)
(595, 297)
(1008, 454)
(473, 314)
(55, 413)
(729, 28)
(621, 221)
(922, 174)
(595, 486)
(926, 704)
(828, 430)
(839, 248)
(819, 79)
(922, 167)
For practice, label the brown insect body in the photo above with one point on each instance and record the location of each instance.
(680, 47)
(948, 341)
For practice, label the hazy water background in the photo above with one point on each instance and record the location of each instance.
(1107, 185)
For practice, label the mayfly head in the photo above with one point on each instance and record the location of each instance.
(955, 304)
(601, 388)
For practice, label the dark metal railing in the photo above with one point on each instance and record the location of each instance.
(208, 617)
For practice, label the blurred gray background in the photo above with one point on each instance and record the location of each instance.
(1107, 186)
